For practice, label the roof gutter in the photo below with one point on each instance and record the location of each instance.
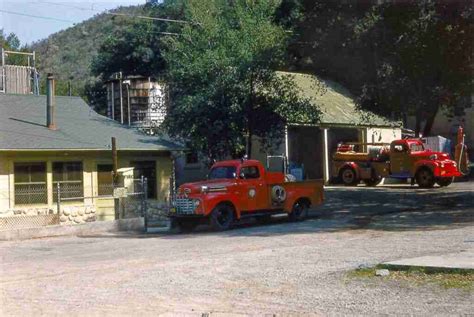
(90, 150)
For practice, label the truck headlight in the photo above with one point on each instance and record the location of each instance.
(433, 157)
(204, 189)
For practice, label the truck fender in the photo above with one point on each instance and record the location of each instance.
(212, 203)
(425, 164)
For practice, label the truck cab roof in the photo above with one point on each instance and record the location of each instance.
(237, 163)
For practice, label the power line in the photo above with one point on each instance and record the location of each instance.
(147, 17)
(36, 16)
(116, 13)
(66, 5)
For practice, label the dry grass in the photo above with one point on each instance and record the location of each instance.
(457, 279)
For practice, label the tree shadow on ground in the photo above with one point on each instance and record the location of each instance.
(361, 208)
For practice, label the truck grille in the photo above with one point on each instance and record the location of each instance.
(184, 206)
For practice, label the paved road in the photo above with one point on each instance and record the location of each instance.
(280, 268)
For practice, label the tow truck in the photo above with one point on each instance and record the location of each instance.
(237, 189)
(403, 159)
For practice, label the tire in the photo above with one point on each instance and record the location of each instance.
(425, 178)
(349, 177)
(372, 182)
(222, 217)
(445, 181)
(299, 211)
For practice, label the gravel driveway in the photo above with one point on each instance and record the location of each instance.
(281, 268)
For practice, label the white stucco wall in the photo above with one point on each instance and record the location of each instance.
(383, 135)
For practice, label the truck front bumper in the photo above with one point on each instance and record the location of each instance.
(448, 169)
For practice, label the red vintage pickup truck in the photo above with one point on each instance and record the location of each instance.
(242, 188)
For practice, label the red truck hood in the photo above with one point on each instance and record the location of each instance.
(193, 188)
(441, 156)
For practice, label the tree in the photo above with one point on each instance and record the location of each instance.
(421, 52)
(12, 42)
(224, 88)
(136, 49)
(323, 39)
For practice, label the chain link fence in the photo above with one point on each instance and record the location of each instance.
(72, 203)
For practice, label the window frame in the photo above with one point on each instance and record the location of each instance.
(109, 188)
(63, 192)
(44, 191)
(257, 176)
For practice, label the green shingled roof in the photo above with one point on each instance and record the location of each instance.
(23, 120)
(335, 102)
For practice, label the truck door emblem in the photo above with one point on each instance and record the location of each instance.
(278, 193)
(252, 192)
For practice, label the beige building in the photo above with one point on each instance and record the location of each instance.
(76, 153)
(309, 148)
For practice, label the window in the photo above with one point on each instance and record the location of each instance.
(30, 183)
(222, 172)
(415, 147)
(146, 169)
(250, 172)
(105, 179)
(70, 178)
(399, 148)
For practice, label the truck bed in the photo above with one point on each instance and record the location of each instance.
(313, 189)
(351, 156)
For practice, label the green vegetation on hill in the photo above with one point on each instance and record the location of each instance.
(69, 53)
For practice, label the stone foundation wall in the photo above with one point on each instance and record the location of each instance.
(156, 210)
(69, 214)
(77, 214)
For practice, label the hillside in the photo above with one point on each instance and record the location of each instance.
(69, 53)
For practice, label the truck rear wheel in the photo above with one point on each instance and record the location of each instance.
(445, 181)
(373, 181)
(349, 176)
(222, 217)
(299, 211)
(425, 178)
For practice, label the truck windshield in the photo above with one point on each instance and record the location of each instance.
(416, 147)
(223, 172)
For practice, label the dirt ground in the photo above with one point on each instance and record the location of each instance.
(281, 268)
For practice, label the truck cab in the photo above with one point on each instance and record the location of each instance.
(237, 189)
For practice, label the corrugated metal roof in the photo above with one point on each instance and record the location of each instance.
(23, 120)
(335, 102)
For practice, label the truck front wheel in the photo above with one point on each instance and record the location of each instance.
(445, 181)
(222, 217)
(425, 178)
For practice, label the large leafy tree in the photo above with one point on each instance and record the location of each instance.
(136, 48)
(224, 88)
(323, 40)
(421, 52)
(401, 58)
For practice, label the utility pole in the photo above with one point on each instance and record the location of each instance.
(115, 177)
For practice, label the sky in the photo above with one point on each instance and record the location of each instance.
(56, 15)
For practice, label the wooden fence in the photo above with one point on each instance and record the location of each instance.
(17, 79)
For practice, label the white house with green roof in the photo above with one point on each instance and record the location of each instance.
(310, 147)
(76, 153)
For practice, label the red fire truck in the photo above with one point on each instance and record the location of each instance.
(402, 159)
(237, 189)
